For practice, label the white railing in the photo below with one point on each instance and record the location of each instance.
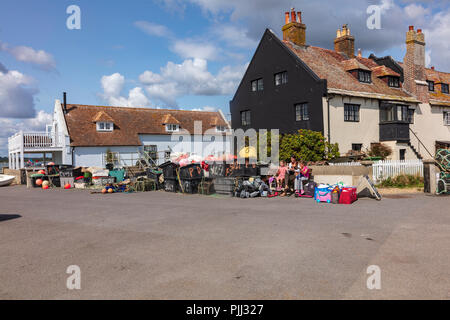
(35, 141)
(391, 168)
(339, 164)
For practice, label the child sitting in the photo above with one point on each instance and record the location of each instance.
(281, 174)
(302, 176)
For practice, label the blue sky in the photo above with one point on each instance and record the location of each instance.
(188, 54)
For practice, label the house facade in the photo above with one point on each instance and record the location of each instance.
(354, 101)
(86, 135)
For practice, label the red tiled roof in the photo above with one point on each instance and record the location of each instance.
(437, 77)
(129, 123)
(332, 66)
(102, 116)
(382, 71)
(169, 119)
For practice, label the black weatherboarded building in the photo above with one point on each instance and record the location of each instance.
(278, 90)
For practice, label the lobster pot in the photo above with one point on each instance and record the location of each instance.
(224, 186)
(36, 177)
(205, 187)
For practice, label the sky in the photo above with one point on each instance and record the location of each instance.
(187, 54)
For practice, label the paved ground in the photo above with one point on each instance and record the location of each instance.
(159, 245)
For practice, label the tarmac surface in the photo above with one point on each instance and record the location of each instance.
(159, 245)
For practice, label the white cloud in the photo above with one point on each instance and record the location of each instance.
(191, 77)
(112, 89)
(436, 36)
(42, 59)
(153, 29)
(195, 49)
(9, 127)
(205, 108)
(235, 36)
(16, 95)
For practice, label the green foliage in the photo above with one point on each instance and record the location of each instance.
(307, 145)
(380, 150)
(402, 181)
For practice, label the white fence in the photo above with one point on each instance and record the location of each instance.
(345, 164)
(391, 168)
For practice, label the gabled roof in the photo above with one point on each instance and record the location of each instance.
(102, 116)
(330, 65)
(383, 71)
(353, 64)
(169, 119)
(129, 123)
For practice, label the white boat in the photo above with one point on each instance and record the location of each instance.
(6, 180)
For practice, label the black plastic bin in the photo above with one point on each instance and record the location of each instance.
(219, 169)
(190, 186)
(191, 171)
(171, 185)
(169, 169)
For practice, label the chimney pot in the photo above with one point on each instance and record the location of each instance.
(299, 16)
(293, 16)
(359, 53)
(432, 68)
(419, 30)
(411, 28)
(287, 17)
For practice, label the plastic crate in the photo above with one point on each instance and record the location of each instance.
(119, 175)
(36, 177)
(191, 172)
(67, 180)
(225, 185)
(103, 181)
(70, 172)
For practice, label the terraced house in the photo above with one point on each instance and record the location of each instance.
(354, 101)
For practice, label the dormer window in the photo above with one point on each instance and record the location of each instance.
(105, 126)
(364, 76)
(444, 88)
(394, 82)
(172, 127)
(430, 85)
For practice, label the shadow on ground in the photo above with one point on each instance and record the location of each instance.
(6, 217)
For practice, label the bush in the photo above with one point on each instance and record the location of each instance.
(380, 150)
(307, 145)
(402, 181)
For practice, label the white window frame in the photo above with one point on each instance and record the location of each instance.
(103, 126)
(171, 127)
(446, 118)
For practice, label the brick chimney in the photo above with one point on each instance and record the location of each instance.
(414, 65)
(345, 42)
(294, 30)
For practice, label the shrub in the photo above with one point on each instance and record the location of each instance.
(402, 181)
(307, 145)
(380, 150)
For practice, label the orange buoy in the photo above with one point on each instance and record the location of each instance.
(45, 187)
(39, 182)
(110, 190)
(104, 191)
(67, 186)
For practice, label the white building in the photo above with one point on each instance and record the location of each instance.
(83, 135)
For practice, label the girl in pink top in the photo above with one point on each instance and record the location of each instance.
(281, 174)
